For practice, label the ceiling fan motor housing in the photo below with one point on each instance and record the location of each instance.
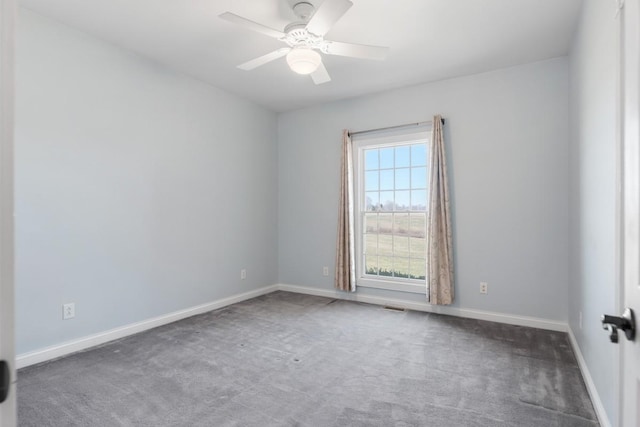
(303, 10)
(296, 34)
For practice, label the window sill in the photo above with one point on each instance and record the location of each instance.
(414, 288)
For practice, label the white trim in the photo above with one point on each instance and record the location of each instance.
(55, 351)
(511, 319)
(619, 7)
(83, 343)
(408, 287)
(619, 279)
(398, 137)
(603, 419)
(8, 18)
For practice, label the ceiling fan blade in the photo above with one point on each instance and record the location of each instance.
(356, 50)
(255, 63)
(251, 25)
(320, 75)
(329, 12)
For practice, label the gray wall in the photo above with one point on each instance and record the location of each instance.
(138, 191)
(507, 138)
(594, 105)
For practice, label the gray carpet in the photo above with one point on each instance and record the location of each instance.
(286, 359)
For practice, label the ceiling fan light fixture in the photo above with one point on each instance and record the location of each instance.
(303, 60)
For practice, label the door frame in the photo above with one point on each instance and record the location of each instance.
(621, 297)
(619, 200)
(8, 13)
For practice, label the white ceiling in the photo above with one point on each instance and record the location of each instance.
(429, 40)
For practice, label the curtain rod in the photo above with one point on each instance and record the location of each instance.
(392, 127)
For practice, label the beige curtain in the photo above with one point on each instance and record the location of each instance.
(439, 242)
(345, 250)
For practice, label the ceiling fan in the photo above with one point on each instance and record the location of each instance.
(306, 38)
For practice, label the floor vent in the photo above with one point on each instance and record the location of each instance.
(388, 307)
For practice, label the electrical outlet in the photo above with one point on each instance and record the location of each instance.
(580, 320)
(243, 274)
(325, 271)
(484, 287)
(68, 311)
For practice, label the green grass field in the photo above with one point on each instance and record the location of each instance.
(395, 244)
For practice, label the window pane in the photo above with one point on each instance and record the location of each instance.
(385, 244)
(418, 268)
(371, 264)
(370, 159)
(385, 223)
(386, 179)
(401, 267)
(402, 156)
(417, 226)
(401, 246)
(370, 223)
(371, 180)
(386, 200)
(402, 179)
(417, 233)
(419, 155)
(402, 200)
(401, 224)
(418, 247)
(385, 266)
(372, 200)
(419, 200)
(371, 244)
(418, 177)
(386, 158)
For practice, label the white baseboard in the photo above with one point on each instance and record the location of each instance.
(83, 343)
(510, 319)
(53, 352)
(603, 419)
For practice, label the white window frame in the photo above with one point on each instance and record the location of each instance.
(382, 140)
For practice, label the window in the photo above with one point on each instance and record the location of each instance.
(391, 208)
